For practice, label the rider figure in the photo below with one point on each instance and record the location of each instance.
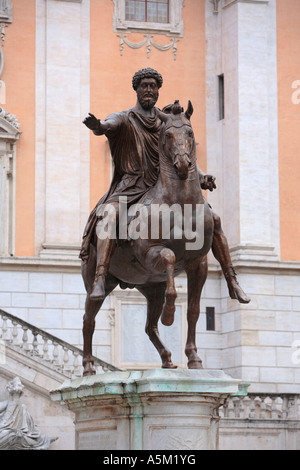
(133, 139)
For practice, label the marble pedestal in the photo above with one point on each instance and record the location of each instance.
(156, 409)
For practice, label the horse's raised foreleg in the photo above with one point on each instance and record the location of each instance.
(167, 316)
(155, 296)
(161, 259)
(92, 307)
(196, 275)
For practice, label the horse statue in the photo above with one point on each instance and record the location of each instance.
(150, 264)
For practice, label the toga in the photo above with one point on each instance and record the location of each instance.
(133, 142)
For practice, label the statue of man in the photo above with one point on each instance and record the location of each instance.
(133, 139)
(17, 428)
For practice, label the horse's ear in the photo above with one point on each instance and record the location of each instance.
(189, 110)
(168, 109)
(162, 116)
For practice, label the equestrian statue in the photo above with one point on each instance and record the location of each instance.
(155, 166)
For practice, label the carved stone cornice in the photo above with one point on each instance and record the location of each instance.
(9, 126)
(227, 3)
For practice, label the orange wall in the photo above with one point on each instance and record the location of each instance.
(288, 34)
(111, 77)
(19, 77)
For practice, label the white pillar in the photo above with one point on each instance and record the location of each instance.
(242, 148)
(62, 160)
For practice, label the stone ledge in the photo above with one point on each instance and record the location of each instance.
(155, 380)
(66, 264)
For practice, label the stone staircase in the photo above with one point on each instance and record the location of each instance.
(42, 362)
(52, 352)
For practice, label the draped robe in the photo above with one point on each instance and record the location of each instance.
(133, 143)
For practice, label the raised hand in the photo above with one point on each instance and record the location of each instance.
(92, 122)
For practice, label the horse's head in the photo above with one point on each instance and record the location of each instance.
(177, 138)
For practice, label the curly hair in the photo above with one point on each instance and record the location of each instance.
(146, 73)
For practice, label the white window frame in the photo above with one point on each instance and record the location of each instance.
(9, 134)
(173, 28)
(133, 297)
(6, 9)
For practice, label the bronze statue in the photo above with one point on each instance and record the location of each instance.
(155, 165)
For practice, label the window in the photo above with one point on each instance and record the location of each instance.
(210, 318)
(221, 92)
(152, 11)
(157, 16)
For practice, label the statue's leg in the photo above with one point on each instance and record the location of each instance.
(92, 307)
(220, 250)
(155, 296)
(106, 241)
(104, 252)
(161, 259)
(196, 276)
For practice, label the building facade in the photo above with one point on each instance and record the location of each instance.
(238, 62)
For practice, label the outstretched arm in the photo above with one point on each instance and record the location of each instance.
(97, 126)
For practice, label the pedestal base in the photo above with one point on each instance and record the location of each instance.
(157, 409)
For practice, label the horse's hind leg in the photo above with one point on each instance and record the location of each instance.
(196, 275)
(92, 307)
(91, 310)
(155, 296)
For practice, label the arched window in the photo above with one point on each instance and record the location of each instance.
(152, 11)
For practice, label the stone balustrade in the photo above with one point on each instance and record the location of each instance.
(262, 406)
(54, 352)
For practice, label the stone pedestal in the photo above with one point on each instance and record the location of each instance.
(148, 410)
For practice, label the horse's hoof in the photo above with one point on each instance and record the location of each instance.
(195, 364)
(237, 293)
(169, 366)
(86, 373)
(88, 369)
